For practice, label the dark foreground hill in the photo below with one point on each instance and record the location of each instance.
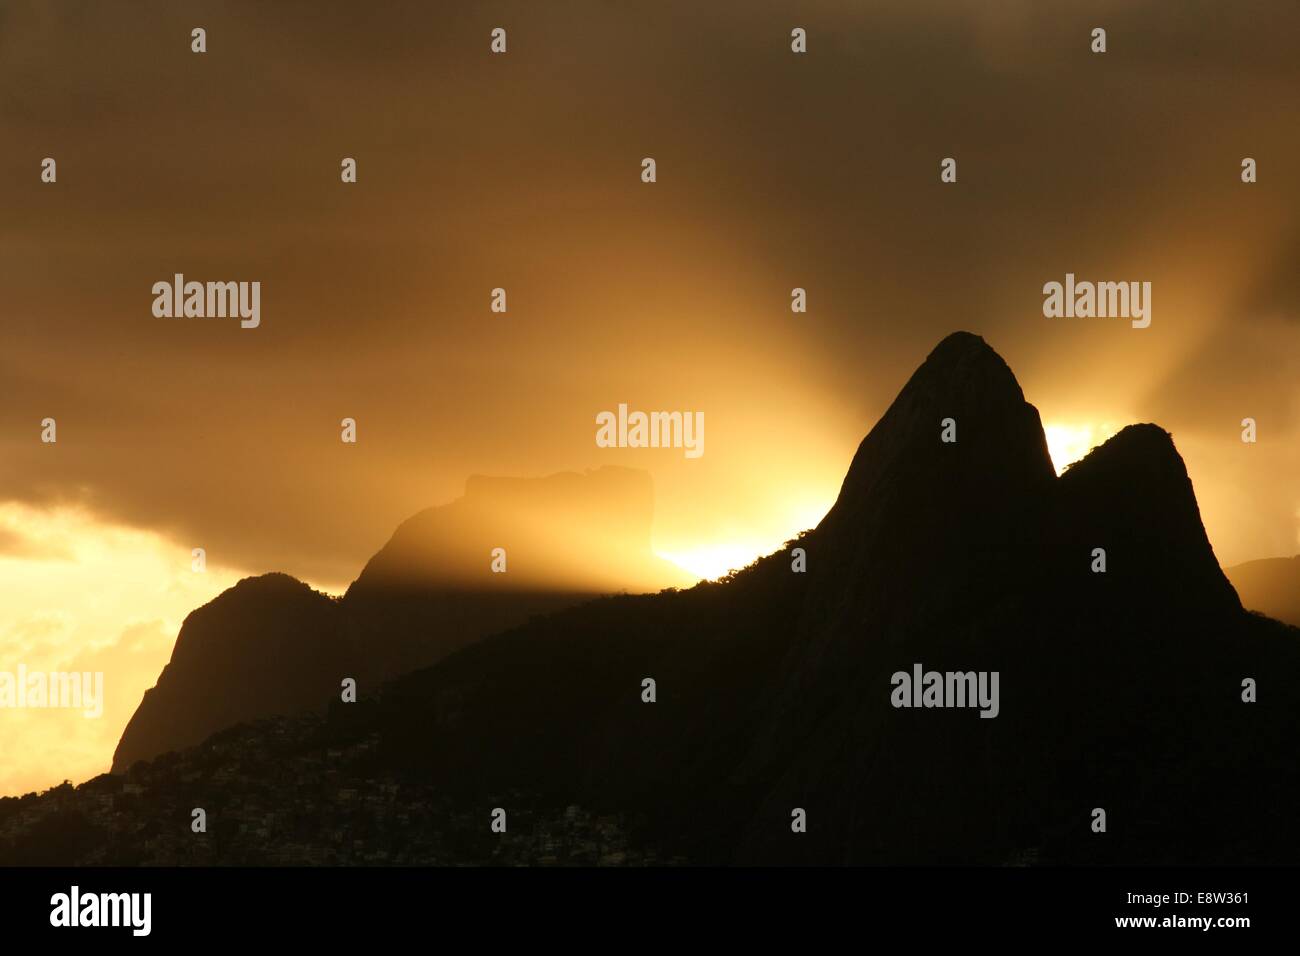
(1118, 691)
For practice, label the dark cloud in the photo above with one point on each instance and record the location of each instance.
(521, 171)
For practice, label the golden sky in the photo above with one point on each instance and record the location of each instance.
(522, 171)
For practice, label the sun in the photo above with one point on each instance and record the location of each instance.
(711, 560)
(1067, 442)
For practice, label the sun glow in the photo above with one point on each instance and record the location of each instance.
(1069, 442)
(714, 560)
(80, 595)
(708, 562)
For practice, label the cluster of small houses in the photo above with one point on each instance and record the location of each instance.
(240, 783)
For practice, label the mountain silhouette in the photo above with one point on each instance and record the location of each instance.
(271, 645)
(1121, 689)
(1270, 586)
(268, 645)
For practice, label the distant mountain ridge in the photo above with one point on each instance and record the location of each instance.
(563, 531)
(271, 645)
(1270, 586)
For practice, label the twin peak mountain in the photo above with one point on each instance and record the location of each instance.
(1119, 689)
(921, 529)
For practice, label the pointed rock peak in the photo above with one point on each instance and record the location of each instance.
(1142, 458)
(1132, 496)
(963, 363)
(959, 429)
(964, 346)
(1145, 443)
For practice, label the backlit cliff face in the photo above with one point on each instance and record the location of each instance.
(566, 532)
